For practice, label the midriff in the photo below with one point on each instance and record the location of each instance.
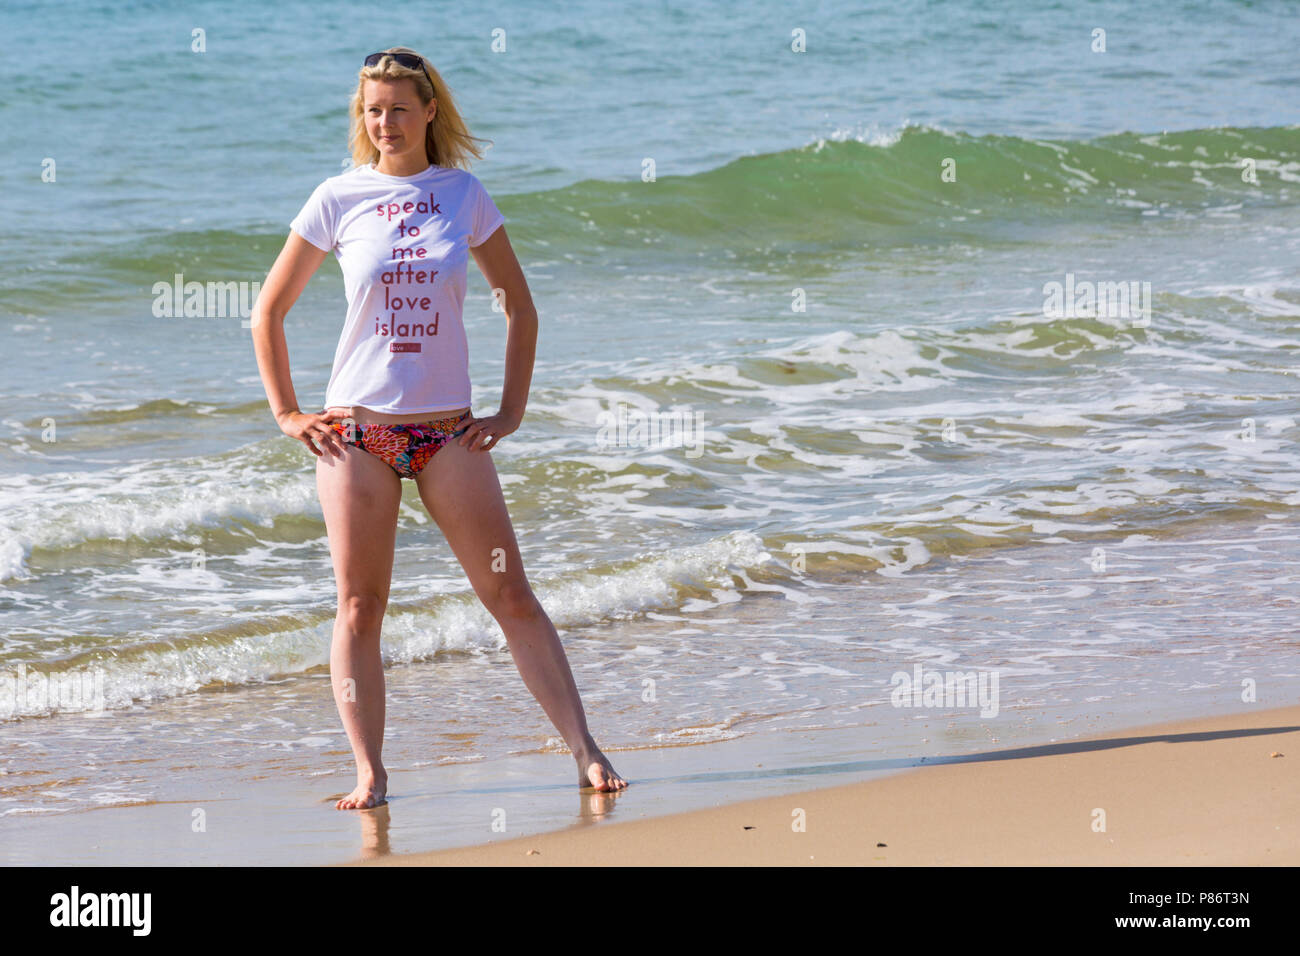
(364, 416)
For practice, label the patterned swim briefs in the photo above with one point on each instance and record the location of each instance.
(404, 448)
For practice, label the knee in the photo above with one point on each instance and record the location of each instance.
(515, 600)
(362, 613)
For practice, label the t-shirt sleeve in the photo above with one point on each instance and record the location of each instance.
(316, 220)
(487, 217)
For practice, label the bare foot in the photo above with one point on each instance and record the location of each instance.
(369, 792)
(595, 770)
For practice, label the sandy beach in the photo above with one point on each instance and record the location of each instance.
(1212, 791)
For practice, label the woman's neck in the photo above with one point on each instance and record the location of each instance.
(402, 165)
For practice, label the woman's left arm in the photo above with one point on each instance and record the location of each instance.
(496, 260)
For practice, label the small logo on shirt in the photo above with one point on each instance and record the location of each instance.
(404, 347)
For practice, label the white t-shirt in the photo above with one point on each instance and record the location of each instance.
(403, 244)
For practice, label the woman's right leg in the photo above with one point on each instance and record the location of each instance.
(360, 496)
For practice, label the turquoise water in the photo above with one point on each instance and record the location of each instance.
(924, 415)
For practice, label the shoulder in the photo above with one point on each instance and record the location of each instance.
(344, 183)
(467, 181)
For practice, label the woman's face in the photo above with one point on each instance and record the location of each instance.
(395, 118)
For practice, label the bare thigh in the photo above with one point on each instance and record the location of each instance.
(360, 496)
(463, 494)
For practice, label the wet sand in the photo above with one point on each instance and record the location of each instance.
(1208, 791)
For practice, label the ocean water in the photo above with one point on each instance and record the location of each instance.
(841, 272)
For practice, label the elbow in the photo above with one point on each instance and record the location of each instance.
(266, 316)
(523, 314)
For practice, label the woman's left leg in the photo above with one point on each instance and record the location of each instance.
(461, 490)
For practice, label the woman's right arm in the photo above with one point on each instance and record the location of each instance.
(297, 262)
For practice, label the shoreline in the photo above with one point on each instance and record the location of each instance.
(1200, 791)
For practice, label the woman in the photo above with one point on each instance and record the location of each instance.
(402, 223)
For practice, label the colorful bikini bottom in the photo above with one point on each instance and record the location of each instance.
(404, 448)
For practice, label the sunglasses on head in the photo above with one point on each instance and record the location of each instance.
(408, 60)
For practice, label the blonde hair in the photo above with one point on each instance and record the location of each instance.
(447, 141)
